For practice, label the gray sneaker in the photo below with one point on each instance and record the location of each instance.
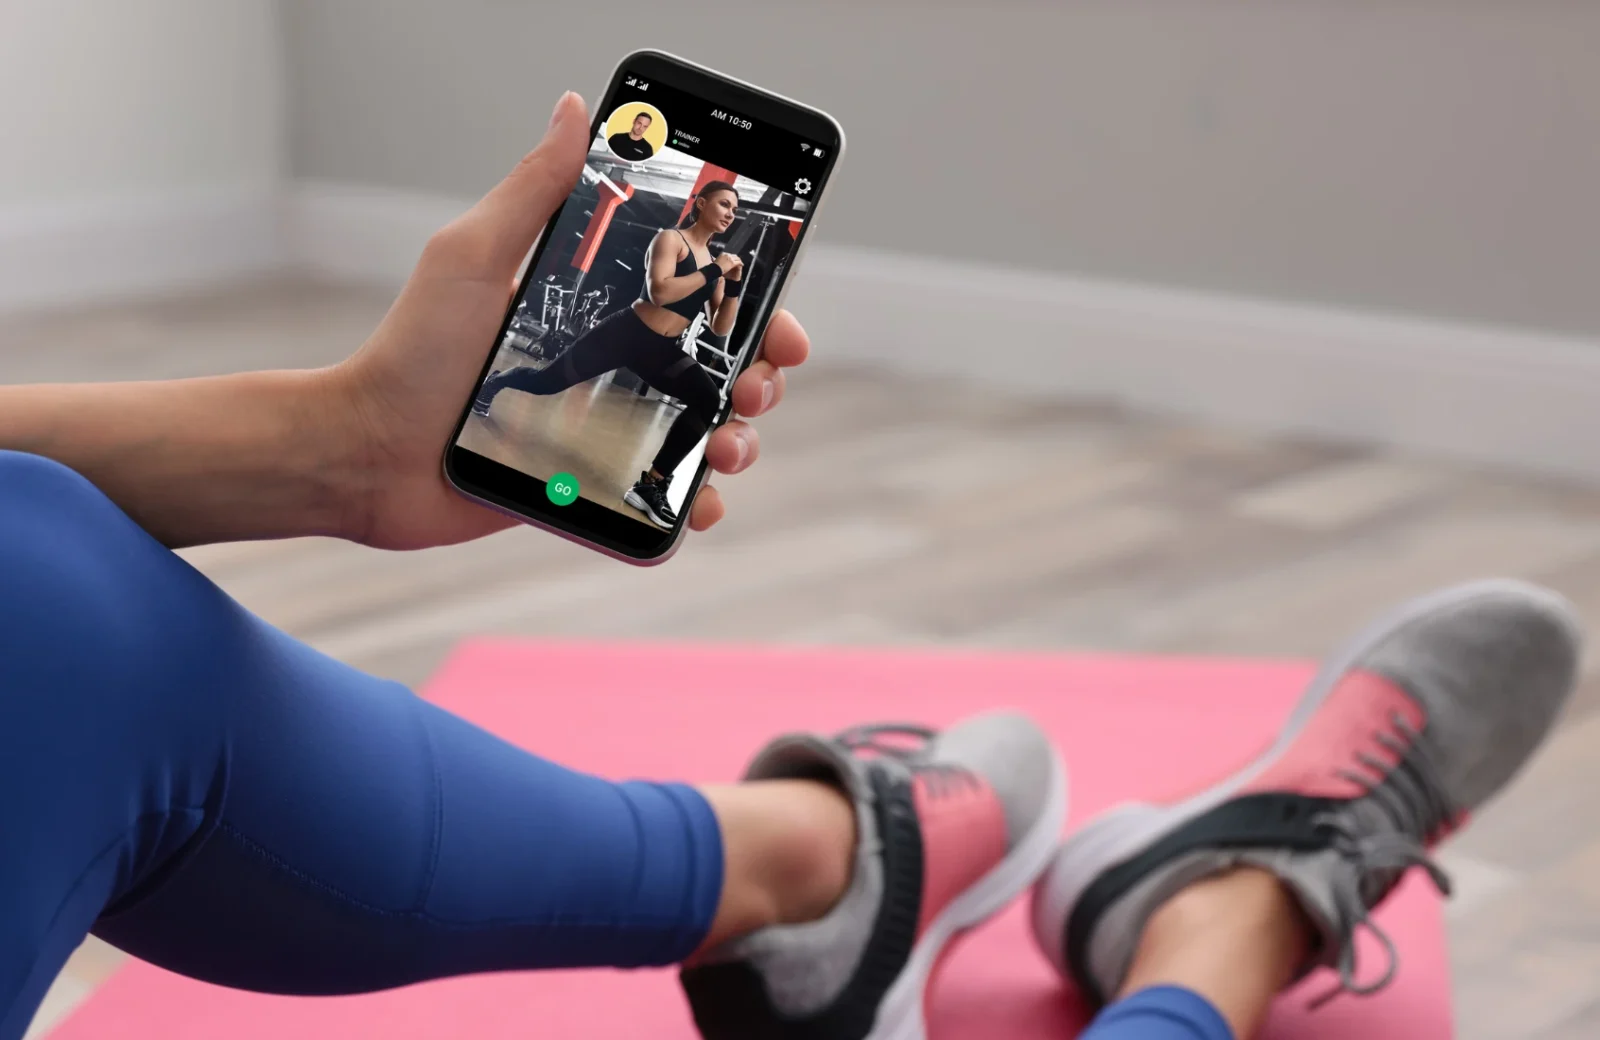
(953, 826)
(1424, 717)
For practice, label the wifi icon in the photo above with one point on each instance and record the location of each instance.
(804, 147)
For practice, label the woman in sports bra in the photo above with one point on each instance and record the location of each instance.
(682, 281)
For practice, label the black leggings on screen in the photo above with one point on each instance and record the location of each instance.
(625, 341)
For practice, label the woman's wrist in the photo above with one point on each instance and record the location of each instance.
(335, 457)
(358, 462)
(287, 454)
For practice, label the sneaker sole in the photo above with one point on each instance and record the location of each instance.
(1120, 833)
(635, 500)
(900, 1016)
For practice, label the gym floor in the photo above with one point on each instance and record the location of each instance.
(602, 434)
(889, 510)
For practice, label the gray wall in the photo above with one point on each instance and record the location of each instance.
(105, 103)
(1438, 158)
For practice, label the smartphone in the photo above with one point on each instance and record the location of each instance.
(645, 298)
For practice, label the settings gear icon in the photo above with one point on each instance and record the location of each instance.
(802, 187)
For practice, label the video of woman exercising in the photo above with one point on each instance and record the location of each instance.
(622, 347)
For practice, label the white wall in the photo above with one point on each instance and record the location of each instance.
(143, 144)
(1430, 157)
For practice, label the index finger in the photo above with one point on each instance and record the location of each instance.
(786, 344)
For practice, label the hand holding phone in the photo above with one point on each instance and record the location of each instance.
(625, 350)
(389, 407)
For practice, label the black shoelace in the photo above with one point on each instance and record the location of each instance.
(1380, 837)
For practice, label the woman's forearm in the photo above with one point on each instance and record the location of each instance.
(727, 314)
(225, 458)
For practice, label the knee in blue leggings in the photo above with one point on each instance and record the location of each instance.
(1160, 1013)
(87, 599)
(105, 782)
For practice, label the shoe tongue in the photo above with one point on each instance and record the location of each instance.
(807, 757)
(1312, 878)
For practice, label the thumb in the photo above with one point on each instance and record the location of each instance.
(510, 217)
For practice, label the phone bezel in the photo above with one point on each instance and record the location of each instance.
(523, 497)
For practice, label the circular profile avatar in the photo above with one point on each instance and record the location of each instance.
(636, 131)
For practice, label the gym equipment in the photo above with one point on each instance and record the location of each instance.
(575, 315)
(563, 315)
(591, 308)
(531, 324)
(1130, 728)
(701, 346)
(525, 329)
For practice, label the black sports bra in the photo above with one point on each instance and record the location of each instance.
(692, 305)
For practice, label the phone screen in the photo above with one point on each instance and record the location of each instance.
(646, 298)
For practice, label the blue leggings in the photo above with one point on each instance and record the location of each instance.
(200, 790)
(1159, 1013)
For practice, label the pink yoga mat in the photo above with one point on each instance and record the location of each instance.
(1129, 727)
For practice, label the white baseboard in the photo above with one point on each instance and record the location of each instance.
(1501, 397)
(75, 252)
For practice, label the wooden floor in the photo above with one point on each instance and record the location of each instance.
(894, 511)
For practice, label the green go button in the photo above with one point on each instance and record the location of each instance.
(562, 489)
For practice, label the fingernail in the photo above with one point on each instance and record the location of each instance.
(767, 390)
(560, 110)
(744, 450)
